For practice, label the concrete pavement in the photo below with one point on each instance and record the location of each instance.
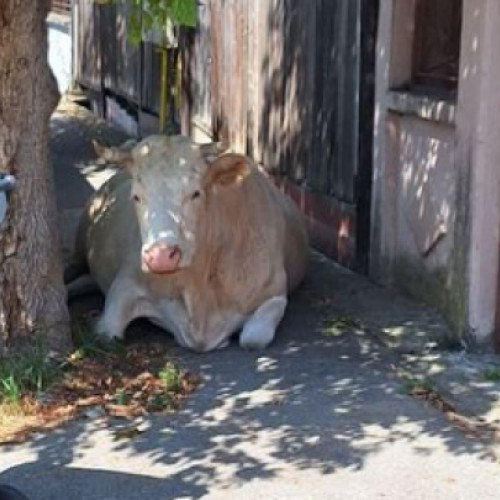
(322, 414)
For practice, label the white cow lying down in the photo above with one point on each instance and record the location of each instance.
(201, 245)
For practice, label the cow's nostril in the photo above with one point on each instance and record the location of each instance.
(174, 252)
(161, 258)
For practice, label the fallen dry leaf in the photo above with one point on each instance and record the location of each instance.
(129, 432)
(107, 384)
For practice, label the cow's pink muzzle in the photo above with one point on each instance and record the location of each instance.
(161, 258)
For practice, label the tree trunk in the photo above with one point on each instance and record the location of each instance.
(32, 294)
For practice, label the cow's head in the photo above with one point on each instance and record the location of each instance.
(171, 177)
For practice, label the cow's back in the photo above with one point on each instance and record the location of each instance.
(295, 241)
(252, 244)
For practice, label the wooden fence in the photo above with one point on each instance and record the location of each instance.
(109, 67)
(291, 83)
(61, 6)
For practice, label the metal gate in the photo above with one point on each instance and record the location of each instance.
(291, 83)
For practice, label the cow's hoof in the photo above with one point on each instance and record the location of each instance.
(255, 339)
(103, 331)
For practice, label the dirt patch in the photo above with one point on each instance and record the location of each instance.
(473, 427)
(100, 380)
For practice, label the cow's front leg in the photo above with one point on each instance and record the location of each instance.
(125, 301)
(259, 330)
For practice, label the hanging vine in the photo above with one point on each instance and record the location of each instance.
(147, 15)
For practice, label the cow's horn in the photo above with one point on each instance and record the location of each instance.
(212, 150)
(121, 155)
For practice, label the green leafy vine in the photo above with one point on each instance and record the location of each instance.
(147, 15)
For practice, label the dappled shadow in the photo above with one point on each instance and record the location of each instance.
(424, 227)
(423, 199)
(319, 403)
(314, 403)
(72, 129)
(315, 116)
(77, 173)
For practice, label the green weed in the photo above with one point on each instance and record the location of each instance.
(412, 385)
(337, 326)
(28, 370)
(88, 344)
(159, 402)
(492, 374)
(171, 377)
(120, 397)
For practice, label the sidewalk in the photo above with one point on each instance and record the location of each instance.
(76, 173)
(324, 413)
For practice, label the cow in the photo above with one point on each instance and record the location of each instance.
(202, 244)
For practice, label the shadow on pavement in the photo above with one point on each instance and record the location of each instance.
(315, 401)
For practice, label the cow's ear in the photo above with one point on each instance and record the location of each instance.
(121, 155)
(228, 169)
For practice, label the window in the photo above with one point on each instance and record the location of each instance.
(436, 49)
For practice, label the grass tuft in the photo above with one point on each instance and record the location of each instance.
(171, 377)
(27, 370)
(88, 344)
(336, 326)
(415, 385)
(37, 391)
(492, 374)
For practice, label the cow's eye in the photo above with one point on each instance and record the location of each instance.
(136, 198)
(195, 195)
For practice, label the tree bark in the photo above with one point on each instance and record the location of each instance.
(32, 294)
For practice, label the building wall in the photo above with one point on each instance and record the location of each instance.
(479, 146)
(436, 184)
(426, 195)
(421, 207)
(60, 49)
(425, 150)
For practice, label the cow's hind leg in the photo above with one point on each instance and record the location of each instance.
(259, 330)
(124, 303)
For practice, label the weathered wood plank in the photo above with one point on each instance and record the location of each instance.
(109, 44)
(300, 87)
(88, 45)
(348, 116)
(363, 183)
(286, 84)
(126, 56)
(216, 62)
(324, 101)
